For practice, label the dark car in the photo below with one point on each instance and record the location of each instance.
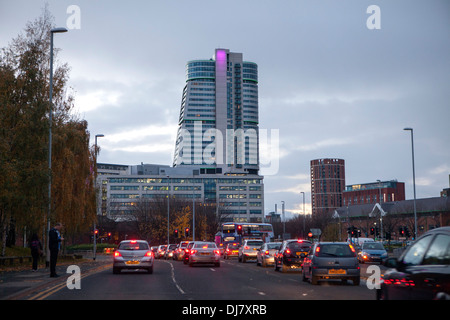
(331, 261)
(290, 254)
(422, 272)
(231, 250)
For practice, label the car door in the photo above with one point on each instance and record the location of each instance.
(400, 280)
(432, 275)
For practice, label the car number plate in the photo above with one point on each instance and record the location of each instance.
(337, 271)
(204, 254)
(132, 262)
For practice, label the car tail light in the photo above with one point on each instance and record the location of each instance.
(133, 241)
(193, 251)
(317, 251)
(217, 252)
(149, 254)
(266, 253)
(287, 252)
(246, 248)
(117, 254)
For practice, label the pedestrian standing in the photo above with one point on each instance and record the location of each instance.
(36, 250)
(54, 243)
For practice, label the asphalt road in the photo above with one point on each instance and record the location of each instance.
(173, 280)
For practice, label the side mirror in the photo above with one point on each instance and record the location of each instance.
(391, 263)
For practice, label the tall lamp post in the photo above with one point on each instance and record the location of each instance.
(381, 214)
(50, 120)
(96, 197)
(414, 180)
(168, 211)
(304, 214)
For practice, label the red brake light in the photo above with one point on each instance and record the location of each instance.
(246, 247)
(117, 254)
(299, 241)
(133, 241)
(149, 254)
(288, 251)
(193, 251)
(217, 252)
(317, 251)
(266, 253)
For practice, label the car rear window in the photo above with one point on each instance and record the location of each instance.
(255, 243)
(205, 245)
(334, 250)
(133, 246)
(273, 246)
(299, 246)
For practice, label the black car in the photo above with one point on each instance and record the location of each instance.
(422, 272)
(290, 254)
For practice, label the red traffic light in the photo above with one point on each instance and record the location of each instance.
(96, 231)
(310, 234)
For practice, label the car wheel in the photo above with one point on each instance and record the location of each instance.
(356, 281)
(276, 266)
(304, 276)
(217, 265)
(150, 270)
(264, 263)
(284, 268)
(244, 260)
(116, 270)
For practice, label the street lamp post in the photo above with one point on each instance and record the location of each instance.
(414, 180)
(96, 197)
(381, 214)
(50, 120)
(304, 214)
(284, 219)
(168, 210)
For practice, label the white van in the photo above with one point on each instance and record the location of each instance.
(359, 241)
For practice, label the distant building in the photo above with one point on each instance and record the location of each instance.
(327, 185)
(236, 197)
(367, 193)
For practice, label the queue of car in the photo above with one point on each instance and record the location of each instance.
(421, 272)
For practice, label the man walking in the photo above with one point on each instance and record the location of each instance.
(54, 238)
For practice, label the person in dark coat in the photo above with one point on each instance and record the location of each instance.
(36, 250)
(54, 244)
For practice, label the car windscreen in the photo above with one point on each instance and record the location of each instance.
(334, 250)
(133, 246)
(372, 246)
(255, 243)
(299, 246)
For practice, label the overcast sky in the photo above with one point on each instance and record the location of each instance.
(332, 87)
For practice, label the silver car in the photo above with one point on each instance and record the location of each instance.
(331, 260)
(249, 250)
(204, 253)
(265, 255)
(133, 254)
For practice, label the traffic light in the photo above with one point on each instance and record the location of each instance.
(239, 229)
(175, 233)
(372, 231)
(96, 233)
(186, 232)
(401, 231)
(407, 233)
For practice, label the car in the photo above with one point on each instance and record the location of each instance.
(231, 250)
(204, 253)
(160, 252)
(372, 252)
(179, 253)
(133, 254)
(248, 250)
(422, 272)
(168, 254)
(265, 255)
(187, 251)
(290, 254)
(331, 260)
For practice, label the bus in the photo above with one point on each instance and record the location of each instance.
(238, 231)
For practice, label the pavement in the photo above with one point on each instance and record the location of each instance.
(22, 285)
